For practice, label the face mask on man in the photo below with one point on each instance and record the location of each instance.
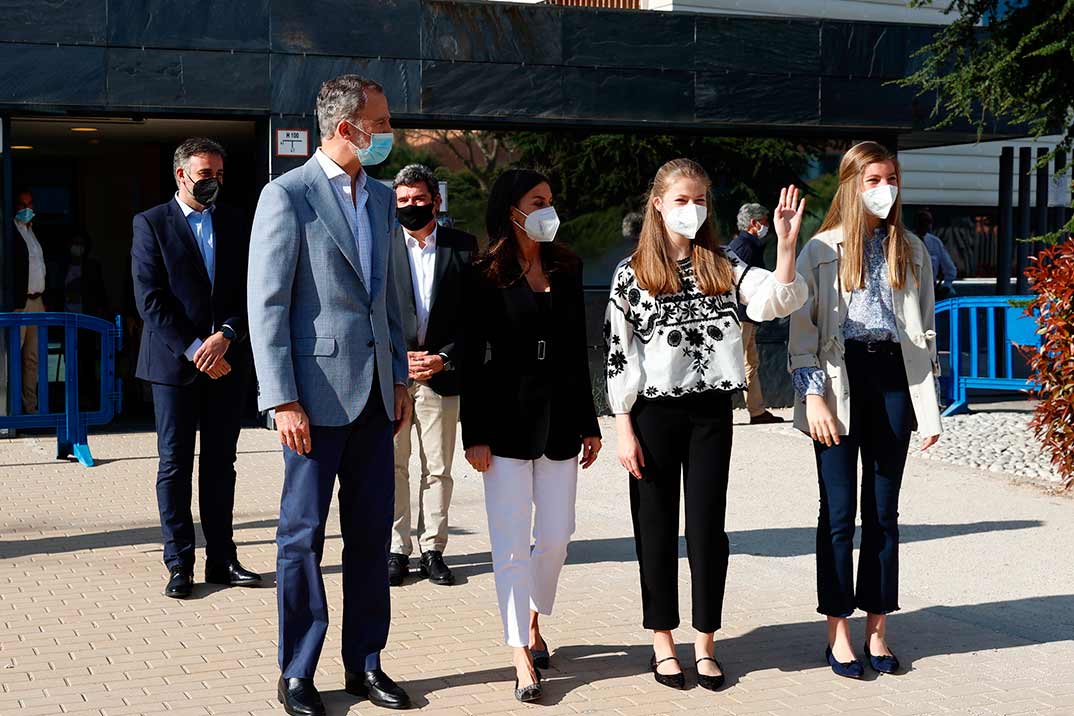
(879, 200)
(762, 231)
(541, 225)
(380, 145)
(414, 216)
(205, 191)
(24, 216)
(685, 220)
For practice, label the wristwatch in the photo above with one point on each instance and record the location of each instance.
(228, 332)
(447, 361)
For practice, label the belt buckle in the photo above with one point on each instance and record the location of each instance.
(872, 347)
(540, 349)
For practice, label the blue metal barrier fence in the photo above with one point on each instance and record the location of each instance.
(71, 425)
(1006, 322)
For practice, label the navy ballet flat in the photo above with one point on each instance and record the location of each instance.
(882, 664)
(850, 670)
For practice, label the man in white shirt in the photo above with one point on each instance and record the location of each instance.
(430, 261)
(29, 292)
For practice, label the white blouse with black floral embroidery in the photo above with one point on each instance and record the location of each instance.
(687, 342)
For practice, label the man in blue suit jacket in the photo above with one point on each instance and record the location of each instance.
(331, 362)
(188, 263)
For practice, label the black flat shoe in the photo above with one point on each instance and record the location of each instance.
(532, 692)
(542, 658)
(300, 697)
(887, 664)
(398, 568)
(712, 683)
(231, 574)
(850, 670)
(180, 583)
(432, 566)
(378, 688)
(675, 681)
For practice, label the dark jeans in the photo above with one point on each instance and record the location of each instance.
(214, 407)
(690, 436)
(361, 454)
(881, 420)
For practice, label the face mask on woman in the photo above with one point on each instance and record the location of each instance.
(685, 220)
(879, 200)
(541, 225)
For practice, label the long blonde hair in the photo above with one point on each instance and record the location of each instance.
(653, 266)
(847, 212)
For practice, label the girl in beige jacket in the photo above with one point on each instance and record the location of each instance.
(863, 357)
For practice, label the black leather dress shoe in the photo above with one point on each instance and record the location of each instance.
(378, 688)
(674, 681)
(231, 573)
(433, 567)
(180, 583)
(300, 697)
(398, 568)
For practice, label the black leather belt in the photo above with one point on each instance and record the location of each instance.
(32, 296)
(886, 347)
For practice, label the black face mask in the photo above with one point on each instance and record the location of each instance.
(205, 191)
(415, 216)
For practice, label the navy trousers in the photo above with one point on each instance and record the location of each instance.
(881, 420)
(216, 407)
(361, 454)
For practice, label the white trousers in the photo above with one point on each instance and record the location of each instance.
(515, 490)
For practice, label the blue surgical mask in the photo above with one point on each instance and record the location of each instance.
(24, 216)
(380, 145)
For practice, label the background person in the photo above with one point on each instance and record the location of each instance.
(863, 357)
(944, 270)
(528, 412)
(430, 263)
(29, 293)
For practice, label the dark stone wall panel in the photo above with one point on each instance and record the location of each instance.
(659, 40)
(755, 99)
(64, 21)
(193, 24)
(842, 103)
(44, 74)
(491, 32)
(297, 79)
(634, 95)
(213, 80)
(872, 50)
(385, 28)
(483, 90)
(749, 45)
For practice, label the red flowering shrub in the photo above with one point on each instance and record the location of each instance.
(1052, 277)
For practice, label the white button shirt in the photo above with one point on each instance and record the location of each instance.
(36, 282)
(422, 272)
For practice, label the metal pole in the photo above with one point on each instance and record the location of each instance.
(1006, 221)
(1059, 213)
(1025, 215)
(1041, 220)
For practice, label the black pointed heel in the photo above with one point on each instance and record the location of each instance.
(531, 692)
(887, 664)
(542, 658)
(712, 683)
(674, 681)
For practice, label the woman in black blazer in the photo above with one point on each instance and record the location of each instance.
(527, 405)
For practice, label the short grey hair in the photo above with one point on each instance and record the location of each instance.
(413, 174)
(191, 147)
(749, 212)
(341, 98)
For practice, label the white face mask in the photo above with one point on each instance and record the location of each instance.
(879, 200)
(763, 231)
(685, 220)
(541, 225)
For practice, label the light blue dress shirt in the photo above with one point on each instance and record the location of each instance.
(201, 223)
(353, 206)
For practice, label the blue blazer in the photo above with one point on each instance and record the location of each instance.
(319, 333)
(174, 295)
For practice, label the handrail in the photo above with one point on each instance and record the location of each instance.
(1005, 321)
(71, 425)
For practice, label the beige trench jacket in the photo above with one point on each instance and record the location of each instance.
(816, 331)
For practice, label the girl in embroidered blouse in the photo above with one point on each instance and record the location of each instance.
(863, 357)
(674, 361)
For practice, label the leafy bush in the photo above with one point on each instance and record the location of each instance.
(592, 234)
(1052, 277)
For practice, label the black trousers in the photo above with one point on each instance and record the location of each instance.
(881, 420)
(214, 406)
(690, 436)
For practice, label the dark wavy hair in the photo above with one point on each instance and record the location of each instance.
(500, 264)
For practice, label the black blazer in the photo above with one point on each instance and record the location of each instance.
(454, 251)
(518, 405)
(175, 297)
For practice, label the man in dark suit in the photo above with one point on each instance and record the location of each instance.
(429, 263)
(188, 263)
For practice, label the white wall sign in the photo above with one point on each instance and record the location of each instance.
(292, 143)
